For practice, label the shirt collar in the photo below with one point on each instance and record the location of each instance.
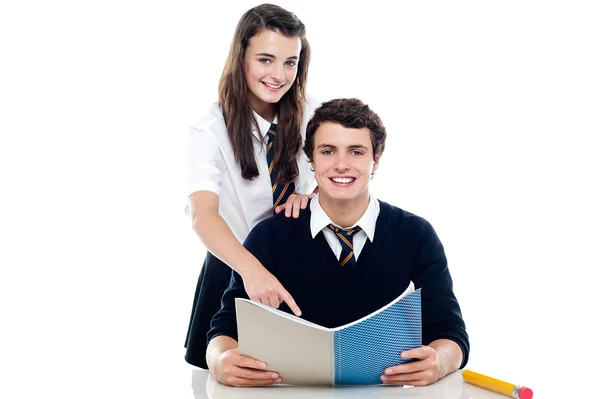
(263, 125)
(320, 220)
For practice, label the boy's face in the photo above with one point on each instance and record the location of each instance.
(343, 162)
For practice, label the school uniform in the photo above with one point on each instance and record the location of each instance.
(242, 204)
(393, 247)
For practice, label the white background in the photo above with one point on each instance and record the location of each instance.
(491, 109)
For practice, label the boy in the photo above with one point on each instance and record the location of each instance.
(347, 256)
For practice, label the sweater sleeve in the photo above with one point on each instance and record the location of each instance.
(442, 317)
(225, 321)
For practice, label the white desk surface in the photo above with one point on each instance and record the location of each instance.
(450, 387)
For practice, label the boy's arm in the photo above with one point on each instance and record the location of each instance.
(222, 356)
(224, 323)
(445, 339)
(442, 317)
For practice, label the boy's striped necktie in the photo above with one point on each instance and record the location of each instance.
(345, 238)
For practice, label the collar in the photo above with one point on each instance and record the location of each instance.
(320, 220)
(263, 125)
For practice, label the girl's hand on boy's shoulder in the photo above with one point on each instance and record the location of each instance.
(294, 203)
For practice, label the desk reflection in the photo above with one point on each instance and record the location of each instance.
(450, 387)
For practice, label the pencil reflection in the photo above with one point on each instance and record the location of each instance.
(473, 392)
(450, 387)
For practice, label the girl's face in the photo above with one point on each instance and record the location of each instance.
(270, 67)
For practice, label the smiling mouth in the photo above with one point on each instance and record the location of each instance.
(342, 180)
(272, 86)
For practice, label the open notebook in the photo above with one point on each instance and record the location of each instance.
(306, 353)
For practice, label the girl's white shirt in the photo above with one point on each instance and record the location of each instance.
(212, 167)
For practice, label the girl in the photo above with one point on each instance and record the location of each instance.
(245, 162)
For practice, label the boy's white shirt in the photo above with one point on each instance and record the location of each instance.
(319, 220)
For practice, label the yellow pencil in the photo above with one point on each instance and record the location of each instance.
(504, 388)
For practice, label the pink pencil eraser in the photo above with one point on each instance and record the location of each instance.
(525, 393)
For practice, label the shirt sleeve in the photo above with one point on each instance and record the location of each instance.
(442, 317)
(307, 186)
(206, 165)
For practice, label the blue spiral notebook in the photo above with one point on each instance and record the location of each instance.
(304, 353)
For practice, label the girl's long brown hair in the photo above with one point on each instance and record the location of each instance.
(233, 94)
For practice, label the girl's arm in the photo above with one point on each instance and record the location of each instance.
(218, 238)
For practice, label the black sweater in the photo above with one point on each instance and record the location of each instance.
(405, 248)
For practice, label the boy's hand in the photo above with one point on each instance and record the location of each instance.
(233, 369)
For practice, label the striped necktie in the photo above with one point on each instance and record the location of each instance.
(345, 238)
(281, 192)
